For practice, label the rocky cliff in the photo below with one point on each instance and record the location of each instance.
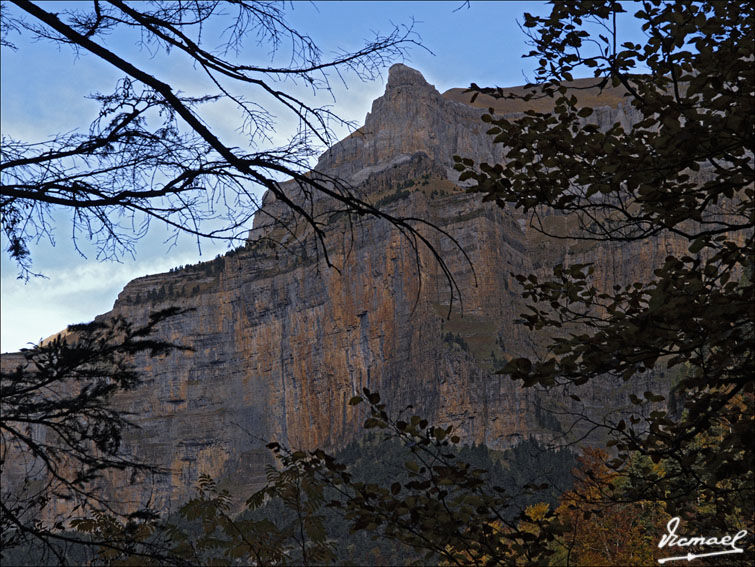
(282, 342)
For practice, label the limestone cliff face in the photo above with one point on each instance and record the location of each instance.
(410, 117)
(282, 342)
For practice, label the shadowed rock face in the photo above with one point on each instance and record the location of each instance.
(282, 342)
(410, 117)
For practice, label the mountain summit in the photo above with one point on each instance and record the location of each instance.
(410, 117)
(400, 75)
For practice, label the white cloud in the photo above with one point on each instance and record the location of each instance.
(42, 307)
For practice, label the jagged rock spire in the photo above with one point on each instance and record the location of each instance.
(400, 75)
(411, 117)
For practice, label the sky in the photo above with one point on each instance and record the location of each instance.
(44, 89)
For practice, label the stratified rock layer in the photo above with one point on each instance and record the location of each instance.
(282, 342)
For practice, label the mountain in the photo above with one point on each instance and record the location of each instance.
(282, 341)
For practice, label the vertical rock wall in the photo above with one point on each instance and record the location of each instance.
(282, 341)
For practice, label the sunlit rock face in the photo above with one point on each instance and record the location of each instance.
(282, 342)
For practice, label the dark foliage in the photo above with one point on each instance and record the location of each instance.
(59, 433)
(382, 462)
(684, 170)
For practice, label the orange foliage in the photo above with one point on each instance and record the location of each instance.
(599, 528)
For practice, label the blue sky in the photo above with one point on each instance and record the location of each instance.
(44, 89)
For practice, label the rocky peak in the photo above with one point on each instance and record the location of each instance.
(411, 117)
(400, 75)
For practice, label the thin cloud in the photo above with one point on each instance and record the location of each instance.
(43, 307)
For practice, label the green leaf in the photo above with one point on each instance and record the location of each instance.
(698, 244)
